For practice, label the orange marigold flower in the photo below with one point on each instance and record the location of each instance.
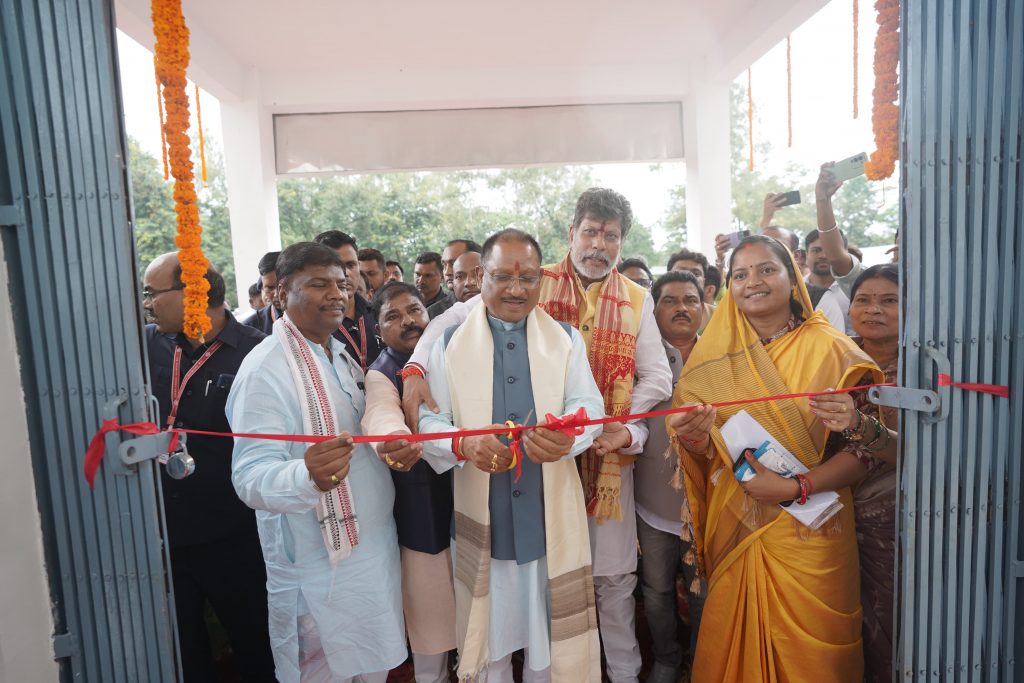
(171, 58)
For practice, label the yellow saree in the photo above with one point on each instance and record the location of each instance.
(783, 601)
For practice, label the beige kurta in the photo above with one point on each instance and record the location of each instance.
(428, 596)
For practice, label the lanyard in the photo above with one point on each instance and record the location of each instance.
(178, 383)
(361, 349)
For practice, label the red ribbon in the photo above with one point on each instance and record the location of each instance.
(994, 389)
(94, 453)
(567, 424)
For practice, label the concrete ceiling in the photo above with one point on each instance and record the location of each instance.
(341, 55)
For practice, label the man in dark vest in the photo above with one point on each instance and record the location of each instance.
(423, 498)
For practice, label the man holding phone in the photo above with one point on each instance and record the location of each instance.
(845, 266)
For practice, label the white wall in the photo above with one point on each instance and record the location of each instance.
(26, 626)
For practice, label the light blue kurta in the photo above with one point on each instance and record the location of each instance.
(520, 607)
(357, 604)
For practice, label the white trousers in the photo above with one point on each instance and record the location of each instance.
(430, 668)
(616, 617)
(313, 667)
(500, 671)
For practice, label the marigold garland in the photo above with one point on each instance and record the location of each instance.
(856, 47)
(172, 57)
(885, 113)
(202, 143)
(750, 122)
(160, 109)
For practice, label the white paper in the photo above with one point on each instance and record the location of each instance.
(742, 431)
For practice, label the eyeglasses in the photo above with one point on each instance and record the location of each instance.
(644, 282)
(148, 293)
(505, 281)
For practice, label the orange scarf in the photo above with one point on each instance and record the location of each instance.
(611, 349)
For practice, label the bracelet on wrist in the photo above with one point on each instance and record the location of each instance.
(878, 433)
(412, 369)
(457, 448)
(805, 489)
(853, 433)
(832, 229)
(887, 437)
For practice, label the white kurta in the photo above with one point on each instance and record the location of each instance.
(357, 603)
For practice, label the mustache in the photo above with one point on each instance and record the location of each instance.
(595, 255)
(682, 316)
(415, 330)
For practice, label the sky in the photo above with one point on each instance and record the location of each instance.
(823, 125)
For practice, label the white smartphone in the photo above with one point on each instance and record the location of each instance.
(849, 168)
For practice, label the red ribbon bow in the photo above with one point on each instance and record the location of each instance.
(570, 425)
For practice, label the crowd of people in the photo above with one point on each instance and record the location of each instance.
(340, 560)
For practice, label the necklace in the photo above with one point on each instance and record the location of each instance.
(789, 327)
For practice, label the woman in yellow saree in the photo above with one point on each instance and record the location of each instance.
(783, 601)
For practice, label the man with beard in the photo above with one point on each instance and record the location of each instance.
(356, 330)
(659, 504)
(833, 302)
(263, 319)
(615, 317)
(325, 511)
(393, 272)
(423, 497)
(214, 547)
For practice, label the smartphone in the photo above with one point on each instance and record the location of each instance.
(787, 199)
(849, 168)
(736, 237)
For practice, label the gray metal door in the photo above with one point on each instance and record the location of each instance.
(963, 251)
(65, 224)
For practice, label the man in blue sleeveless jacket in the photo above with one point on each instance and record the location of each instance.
(423, 498)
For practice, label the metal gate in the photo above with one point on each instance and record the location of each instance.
(963, 250)
(64, 219)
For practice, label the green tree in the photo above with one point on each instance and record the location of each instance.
(155, 220)
(674, 222)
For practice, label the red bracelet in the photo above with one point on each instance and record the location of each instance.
(805, 488)
(412, 369)
(457, 448)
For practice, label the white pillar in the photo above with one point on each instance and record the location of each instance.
(707, 154)
(248, 130)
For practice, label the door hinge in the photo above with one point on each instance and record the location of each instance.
(64, 645)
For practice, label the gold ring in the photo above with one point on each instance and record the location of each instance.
(389, 460)
(494, 459)
(494, 466)
(398, 465)
(335, 480)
